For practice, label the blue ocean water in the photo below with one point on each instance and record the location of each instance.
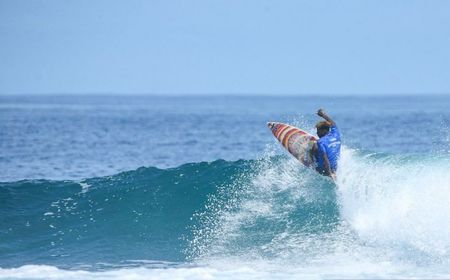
(96, 187)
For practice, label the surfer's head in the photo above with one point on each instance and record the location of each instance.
(323, 128)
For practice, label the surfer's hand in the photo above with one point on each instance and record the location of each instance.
(320, 112)
(324, 115)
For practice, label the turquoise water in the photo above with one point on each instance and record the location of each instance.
(209, 193)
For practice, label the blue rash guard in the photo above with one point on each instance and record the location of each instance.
(329, 144)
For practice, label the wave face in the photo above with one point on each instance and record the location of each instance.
(141, 214)
(386, 214)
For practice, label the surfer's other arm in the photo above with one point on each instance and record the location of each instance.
(327, 168)
(324, 115)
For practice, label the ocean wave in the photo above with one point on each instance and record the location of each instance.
(135, 214)
(384, 209)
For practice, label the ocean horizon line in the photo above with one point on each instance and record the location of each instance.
(213, 95)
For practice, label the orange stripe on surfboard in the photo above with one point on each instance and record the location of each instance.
(287, 136)
(280, 132)
(277, 128)
(286, 131)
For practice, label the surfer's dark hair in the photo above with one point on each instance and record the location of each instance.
(323, 125)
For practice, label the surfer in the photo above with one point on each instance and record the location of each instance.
(327, 149)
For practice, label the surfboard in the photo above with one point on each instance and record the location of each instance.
(296, 141)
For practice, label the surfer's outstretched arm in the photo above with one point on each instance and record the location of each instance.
(324, 115)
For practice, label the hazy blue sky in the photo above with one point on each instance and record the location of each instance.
(268, 47)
